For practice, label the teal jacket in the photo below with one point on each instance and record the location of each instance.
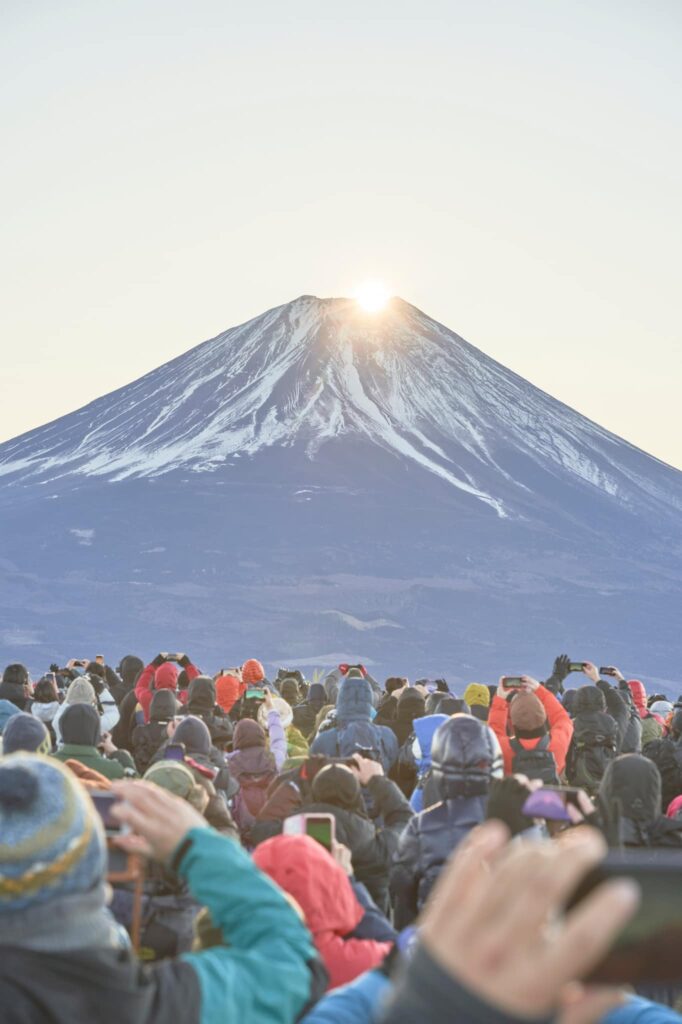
(262, 977)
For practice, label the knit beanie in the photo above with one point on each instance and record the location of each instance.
(81, 691)
(253, 672)
(288, 687)
(52, 838)
(80, 725)
(163, 707)
(227, 690)
(527, 713)
(477, 693)
(286, 715)
(316, 694)
(248, 733)
(176, 778)
(7, 711)
(24, 732)
(193, 732)
(335, 784)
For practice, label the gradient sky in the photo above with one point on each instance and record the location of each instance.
(510, 166)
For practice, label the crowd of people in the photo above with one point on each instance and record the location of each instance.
(229, 847)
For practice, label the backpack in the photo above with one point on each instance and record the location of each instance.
(251, 798)
(589, 754)
(147, 739)
(358, 738)
(537, 763)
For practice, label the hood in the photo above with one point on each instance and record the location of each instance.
(317, 695)
(251, 761)
(289, 688)
(163, 707)
(424, 729)
(201, 694)
(588, 698)
(227, 692)
(337, 785)
(411, 705)
(636, 688)
(463, 757)
(129, 669)
(166, 677)
(354, 702)
(45, 712)
(632, 784)
(7, 710)
(80, 725)
(320, 886)
(193, 732)
(286, 715)
(248, 733)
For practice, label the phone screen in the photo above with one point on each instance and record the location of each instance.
(175, 752)
(319, 829)
(255, 693)
(544, 803)
(103, 803)
(576, 666)
(648, 949)
(512, 682)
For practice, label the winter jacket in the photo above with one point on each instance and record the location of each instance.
(372, 848)
(362, 1002)
(631, 742)
(122, 682)
(305, 714)
(463, 759)
(90, 757)
(558, 720)
(630, 805)
(254, 766)
(104, 702)
(354, 718)
(160, 676)
(305, 870)
(424, 730)
(297, 745)
(219, 985)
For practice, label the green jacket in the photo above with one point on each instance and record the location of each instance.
(91, 758)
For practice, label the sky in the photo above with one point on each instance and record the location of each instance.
(169, 170)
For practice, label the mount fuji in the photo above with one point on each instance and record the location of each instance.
(321, 484)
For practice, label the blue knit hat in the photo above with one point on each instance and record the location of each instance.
(24, 732)
(7, 711)
(51, 838)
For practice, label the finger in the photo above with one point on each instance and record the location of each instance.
(589, 930)
(133, 844)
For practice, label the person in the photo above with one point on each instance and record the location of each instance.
(254, 767)
(62, 958)
(630, 805)
(305, 713)
(228, 690)
(424, 731)
(122, 681)
(463, 757)
(81, 737)
(297, 746)
(541, 730)
(148, 739)
(46, 702)
(161, 674)
(337, 789)
(303, 868)
(81, 691)
(24, 732)
(477, 696)
(16, 686)
(201, 702)
(353, 731)
(334, 680)
(107, 705)
(253, 674)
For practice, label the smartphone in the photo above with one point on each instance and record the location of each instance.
(647, 951)
(104, 801)
(320, 827)
(607, 670)
(513, 682)
(576, 666)
(172, 657)
(255, 693)
(549, 802)
(175, 752)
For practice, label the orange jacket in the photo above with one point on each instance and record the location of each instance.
(558, 719)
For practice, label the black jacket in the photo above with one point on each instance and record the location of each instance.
(202, 703)
(630, 805)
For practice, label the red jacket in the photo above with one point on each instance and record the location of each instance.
(558, 719)
(164, 677)
(320, 886)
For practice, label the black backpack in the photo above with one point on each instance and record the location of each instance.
(538, 763)
(590, 752)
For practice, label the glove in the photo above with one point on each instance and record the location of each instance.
(561, 668)
(184, 661)
(159, 660)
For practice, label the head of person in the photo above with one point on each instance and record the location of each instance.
(177, 778)
(587, 699)
(661, 707)
(166, 676)
(631, 788)
(193, 732)
(674, 809)
(528, 716)
(316, 695)
(394, 683)
(354, 701)
(453, 706)
(52, 856)
(638, 692)
(338, 785)
(202, 693)
(506, 799)
(676, 725)
(464, 757)
(46, 690)
(477, 695)
(289, 688)
(81, 691)
(15, 685)
(248, 733)
(27, 733)
(80, 726)
(253, 673)
(286, 715)
(411, 705)
(129, 669)
(163, 707)
(227, 691)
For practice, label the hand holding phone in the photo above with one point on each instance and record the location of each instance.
(512, 683)
(320, 827)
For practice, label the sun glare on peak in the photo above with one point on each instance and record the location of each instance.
(372, 296)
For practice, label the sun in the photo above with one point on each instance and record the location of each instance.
(372, 296)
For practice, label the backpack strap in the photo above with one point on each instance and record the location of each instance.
(518, 747)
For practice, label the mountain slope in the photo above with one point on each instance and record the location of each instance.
(359, 481)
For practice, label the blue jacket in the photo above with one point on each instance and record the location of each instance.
(424, 728)
(361, 1002)
(354, 710)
